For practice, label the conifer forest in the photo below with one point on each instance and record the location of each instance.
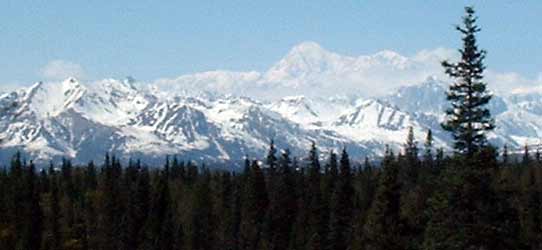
(471, 196)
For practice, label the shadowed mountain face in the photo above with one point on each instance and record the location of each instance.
(310, 95)
(49, 121)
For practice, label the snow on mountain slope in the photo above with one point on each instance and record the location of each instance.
(375, 121)
(112, 102)
(428, 97)
(310, 70)
(309, 95)
(221, 128)
(83, 121)
(312, 112)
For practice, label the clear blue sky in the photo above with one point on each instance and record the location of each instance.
(153, 39)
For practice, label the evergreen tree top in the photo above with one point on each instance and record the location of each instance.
(468, 118)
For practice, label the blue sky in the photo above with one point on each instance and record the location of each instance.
(154, 39)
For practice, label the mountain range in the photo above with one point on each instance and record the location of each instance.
(309, 95)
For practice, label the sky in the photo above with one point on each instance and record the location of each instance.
(50, 40)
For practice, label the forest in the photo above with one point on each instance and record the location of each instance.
(474, 196)
(404, 202)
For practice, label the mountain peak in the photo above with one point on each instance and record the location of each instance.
(307, 47)
(70, 83)
(71, 79)
(391, 57)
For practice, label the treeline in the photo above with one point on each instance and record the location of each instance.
(411, 200)
(472, 199)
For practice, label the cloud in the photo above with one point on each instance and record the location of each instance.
(512, 82)
(10, 86)
(61, 69)
(310, 70)
(435, 56)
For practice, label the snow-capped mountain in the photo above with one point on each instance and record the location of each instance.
(310, 70)
(49, 121)
(208, 116)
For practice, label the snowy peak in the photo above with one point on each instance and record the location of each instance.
(296, 108)
(385, 57)
(307, 47)
(49, 99)
(305, 60)
(311, 94)
(311, 70)
(374, 114)
(427, 97)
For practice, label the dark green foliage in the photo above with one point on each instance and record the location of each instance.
(428, 144)
(255, 203)
(469, 203)
(467, 212)
(468, 200)
(468, 119)
(283, 207)
(30, 237)
(342, 207)
(531, 209)
(203, 223)
(383, 229)
(160, 228)
(316, 226)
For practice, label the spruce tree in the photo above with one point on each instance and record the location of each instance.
(531, 210)
(466, 212)
(411, 145)
(428, 146)
(202, 222)
(160, 227)
(32, 223)
(383, 229)
(283, 207)
(316, 226)
(255, 203)
(226, 206)
(271, 159)
(109, 207)
(330, 178)
(411, 166)
(342, 207)
(52, 235)
(468, 119)
(505, 155)
(526, 160)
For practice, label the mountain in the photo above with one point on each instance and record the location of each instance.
(49, 121)
(223, 116)
(310, 70)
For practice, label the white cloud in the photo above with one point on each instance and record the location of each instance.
(435, 56)
(61, 69)
(311, 70)
(8, 87)
(512, 82)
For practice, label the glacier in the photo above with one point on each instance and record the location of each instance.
(311, 95)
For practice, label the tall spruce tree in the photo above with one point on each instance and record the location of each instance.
(330, 178)
(282, 210)
(255, 203)
(342, 207)
(411, 166)
(30, 237)
(271, 159)
(160, 227)
(383, 229)
(202, 224)
(468, 119)
(316, 227)
(531, 214)
(428, 147)
(466, 212)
